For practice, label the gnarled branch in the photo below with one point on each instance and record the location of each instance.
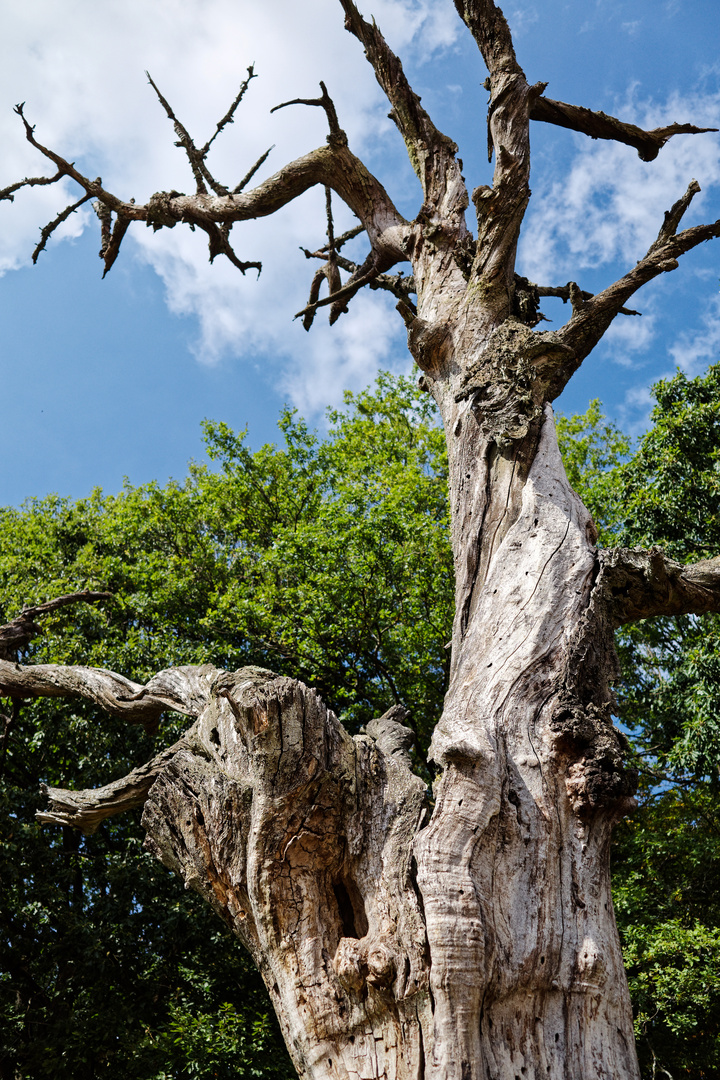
(432, 154)
(183, 689)
(644, 584)
(501, 208)
(85, 810)
(332, 166)
(598, 125)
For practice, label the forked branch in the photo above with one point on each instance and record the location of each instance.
(592, 317)
(324, 102)
(216, 210)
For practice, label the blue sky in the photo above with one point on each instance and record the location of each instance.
(105, 379)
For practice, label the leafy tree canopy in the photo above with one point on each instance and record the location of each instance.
(666, 875)
(326, 559)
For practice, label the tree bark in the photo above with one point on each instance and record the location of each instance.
(473, 937)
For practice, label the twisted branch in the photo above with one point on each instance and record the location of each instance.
(16, 635)
(598, 125)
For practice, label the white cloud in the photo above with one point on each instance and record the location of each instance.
(339, 354)
(694, 350)
(609, 205)
(79, 67)
(691, 351)
(521, 19)
(630, 335)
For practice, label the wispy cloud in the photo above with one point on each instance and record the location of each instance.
(693, 350)
(629, 337)
(522, 18)
(608, 205)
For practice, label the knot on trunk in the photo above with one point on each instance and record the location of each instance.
(428, 342)
(508, 379)
(597, 775)
(159, 214)
(365, 961)
(502, 382)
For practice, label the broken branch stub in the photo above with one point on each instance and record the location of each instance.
(300, 838)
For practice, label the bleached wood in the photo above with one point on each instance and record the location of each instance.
(474, 940)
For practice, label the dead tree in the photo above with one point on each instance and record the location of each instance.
(473, 938)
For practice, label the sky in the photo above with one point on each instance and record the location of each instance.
(106, 379)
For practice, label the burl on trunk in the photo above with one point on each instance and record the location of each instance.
(469, 935)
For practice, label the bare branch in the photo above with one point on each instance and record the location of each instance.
(67, 168)
(219, 244)
(251, 171)
(489, 27)
(184, 689)
(591, 319)
(362, 276)
(673, 217)
(195, 157)
(29, 181)
(340, 241)
(319, 276)
(111, 238)
(17, 634)
(501, 208)
(85, 810)
(229, 117)
(643, 584)
(431, 153)
(328, 272)
(50, 228)
(598, 125)
(325, 102)
(399, 284)
(331, 166)
(567, 292)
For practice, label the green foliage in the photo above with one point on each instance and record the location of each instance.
(326, 559)
(666, 860)
(592, 448)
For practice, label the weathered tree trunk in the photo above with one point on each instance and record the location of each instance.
(472, 939)
(481, 943)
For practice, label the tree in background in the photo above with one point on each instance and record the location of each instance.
(107, 965)
(475, 936)
(666, 860)
(280, 557)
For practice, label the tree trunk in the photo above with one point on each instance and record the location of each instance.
(478, 942)
(473, 939)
